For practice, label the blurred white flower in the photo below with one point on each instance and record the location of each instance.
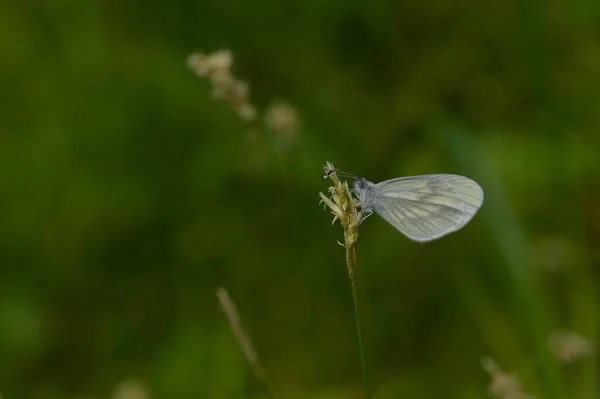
(503, 385)
(130, 390)
(217, 68)
(569, 346)
(282, 118)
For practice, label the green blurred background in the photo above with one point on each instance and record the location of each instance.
(128, 195)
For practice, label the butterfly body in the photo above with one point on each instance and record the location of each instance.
(364, 189)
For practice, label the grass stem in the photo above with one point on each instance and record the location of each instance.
(345, 209)
(363, 361)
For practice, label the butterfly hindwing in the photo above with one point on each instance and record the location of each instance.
(428, 207)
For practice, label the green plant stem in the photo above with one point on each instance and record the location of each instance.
(351, 261)
(259, 371)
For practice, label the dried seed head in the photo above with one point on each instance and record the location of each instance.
(569, 346)
(342, 204)
(130, 390)
(282, 118)
(344, 208)
(503, 385)
(247, 112)
(235, 322)
(217, 68)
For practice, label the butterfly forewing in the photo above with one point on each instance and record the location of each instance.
(428, 207)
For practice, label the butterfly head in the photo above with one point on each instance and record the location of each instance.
(364, 191)
(360, 184)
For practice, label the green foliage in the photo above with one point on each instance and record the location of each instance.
(129, 195)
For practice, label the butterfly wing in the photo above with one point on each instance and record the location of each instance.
(428, 207)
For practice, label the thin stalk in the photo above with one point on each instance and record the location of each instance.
(365, 370)
(259, 372)
(351, 262)
(345, 209)
(243, 339)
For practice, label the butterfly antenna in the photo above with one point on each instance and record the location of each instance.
(344, 174)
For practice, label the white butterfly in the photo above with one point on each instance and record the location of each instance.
(423, 208)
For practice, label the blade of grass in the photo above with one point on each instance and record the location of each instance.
(533, 319)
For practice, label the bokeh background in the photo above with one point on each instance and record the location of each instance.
(129, 194)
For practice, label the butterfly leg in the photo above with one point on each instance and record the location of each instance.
(364, 214)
